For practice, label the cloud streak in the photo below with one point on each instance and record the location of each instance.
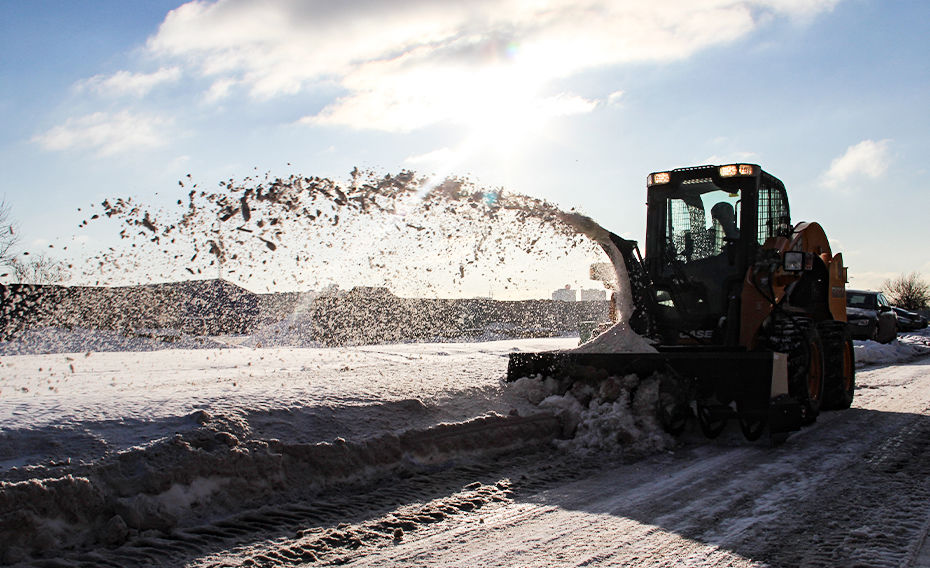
(106, 134)
(127, 83)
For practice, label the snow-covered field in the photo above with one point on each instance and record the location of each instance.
(108, 442)
(91, 404)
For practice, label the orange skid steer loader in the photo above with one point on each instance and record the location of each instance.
(746, 311)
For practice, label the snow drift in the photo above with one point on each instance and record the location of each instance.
(217, 469)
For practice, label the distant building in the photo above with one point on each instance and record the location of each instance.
(593, 295)
(564, 294)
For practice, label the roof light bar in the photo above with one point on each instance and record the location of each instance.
(658, 178)
(733, 170)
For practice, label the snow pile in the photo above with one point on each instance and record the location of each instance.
(609, 416)
(618, 338)
(906, 347)
(617, 417)
(622, 415)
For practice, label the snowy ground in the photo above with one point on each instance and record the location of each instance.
(157, 439)
(213, 454)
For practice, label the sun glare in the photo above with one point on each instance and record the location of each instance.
(504, 106)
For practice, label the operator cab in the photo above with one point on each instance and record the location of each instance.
(704, 227)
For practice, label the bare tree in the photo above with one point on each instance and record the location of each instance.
(908, 291)
(39, 269)
(23, 267)
(8, 236)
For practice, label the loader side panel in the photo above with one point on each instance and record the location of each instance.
(838, 279)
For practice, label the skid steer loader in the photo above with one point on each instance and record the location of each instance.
(746, 312)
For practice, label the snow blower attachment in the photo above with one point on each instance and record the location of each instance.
(746, 313)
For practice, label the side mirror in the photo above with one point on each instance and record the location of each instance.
(794, 261)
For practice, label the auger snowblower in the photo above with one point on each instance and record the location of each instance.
(745, 312)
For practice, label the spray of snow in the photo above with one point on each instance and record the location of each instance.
(413, 234)
(588, 227)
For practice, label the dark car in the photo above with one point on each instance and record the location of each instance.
(908, 320)
(870, 316)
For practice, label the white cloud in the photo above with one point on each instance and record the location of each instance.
(401, 98)
(106, 133)
(406, 64)
(127, 83)
(866, 159)
(219, 90)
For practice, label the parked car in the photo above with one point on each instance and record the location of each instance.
(870, 316)
(908, 320)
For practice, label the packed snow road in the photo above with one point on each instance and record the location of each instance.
(215, 459)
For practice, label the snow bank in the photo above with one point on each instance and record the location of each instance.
(907, 347)
(217, 468)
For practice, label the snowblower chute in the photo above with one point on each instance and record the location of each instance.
(746, 312)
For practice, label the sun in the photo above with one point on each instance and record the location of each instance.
(503, 110)
(503, 107)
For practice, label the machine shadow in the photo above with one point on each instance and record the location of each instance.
(801, 503)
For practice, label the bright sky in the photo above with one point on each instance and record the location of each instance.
(572, 101)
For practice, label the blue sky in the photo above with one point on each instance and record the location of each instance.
(574, 102)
